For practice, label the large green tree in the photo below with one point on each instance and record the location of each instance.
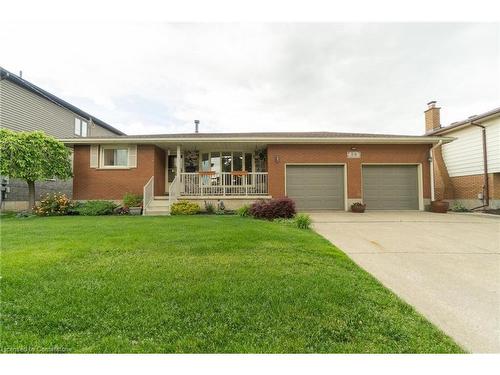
(33, 156)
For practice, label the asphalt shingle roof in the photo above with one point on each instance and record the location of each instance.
(269, 135)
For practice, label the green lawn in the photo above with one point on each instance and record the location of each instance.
(194, 284)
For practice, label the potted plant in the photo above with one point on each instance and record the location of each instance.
(358, 207)
(133, 202)
(440, 206)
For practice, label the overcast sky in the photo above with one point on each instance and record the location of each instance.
(158, 78)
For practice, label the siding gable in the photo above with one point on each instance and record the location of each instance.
(22, 110)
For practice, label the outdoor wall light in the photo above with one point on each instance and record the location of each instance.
(277, 159)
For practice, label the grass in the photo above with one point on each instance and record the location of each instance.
(194, 284)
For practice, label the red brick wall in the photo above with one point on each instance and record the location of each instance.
(468, 187)
(93, 183)
(443, 186)
(338, 154)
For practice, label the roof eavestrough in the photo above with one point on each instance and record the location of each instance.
(270, 138)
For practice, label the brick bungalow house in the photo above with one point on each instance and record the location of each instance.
(467, 171)
(319, 170)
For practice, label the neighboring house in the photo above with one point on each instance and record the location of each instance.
(461, 167)
(26, 107)
(319, 170)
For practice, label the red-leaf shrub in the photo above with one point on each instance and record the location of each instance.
(273, 209)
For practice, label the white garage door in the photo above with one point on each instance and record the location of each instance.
(390, 187)
(316, 187)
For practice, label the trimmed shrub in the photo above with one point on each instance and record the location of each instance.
(273, 209)
(132, 200)
(244, 210)
(96, 208)
(56, 204)
(184, 208)
(302, 221)
(75, 208)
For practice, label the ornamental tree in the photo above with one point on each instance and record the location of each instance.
(33, 156)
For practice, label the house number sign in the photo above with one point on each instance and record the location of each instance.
(353, 154)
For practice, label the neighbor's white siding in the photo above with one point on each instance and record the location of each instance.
(464, 156)
(21, 110)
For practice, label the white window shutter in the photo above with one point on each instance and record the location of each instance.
(94, 156)
(132, 156)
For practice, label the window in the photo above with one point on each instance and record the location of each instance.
(215, 162)
(115, 157)
(226, 161)
(80, 127)
(248, 162)
(237, 161)
(205, 164)
(84, 129)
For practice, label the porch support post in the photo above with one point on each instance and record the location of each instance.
(178, 169)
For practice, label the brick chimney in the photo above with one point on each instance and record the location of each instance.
(432, 117)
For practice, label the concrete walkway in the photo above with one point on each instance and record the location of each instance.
(446, 265)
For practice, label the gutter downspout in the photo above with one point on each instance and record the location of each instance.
(433, 196)
(486, 197)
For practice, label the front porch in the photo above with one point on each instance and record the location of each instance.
(236, 173)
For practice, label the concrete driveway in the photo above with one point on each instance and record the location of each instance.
(446, 265)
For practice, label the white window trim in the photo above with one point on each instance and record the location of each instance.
(77, 127)
(112, 147)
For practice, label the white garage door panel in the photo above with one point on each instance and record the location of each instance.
(316, 187)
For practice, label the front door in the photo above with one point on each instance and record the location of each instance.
(172, 169)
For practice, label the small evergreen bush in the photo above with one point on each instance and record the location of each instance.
(96, 208)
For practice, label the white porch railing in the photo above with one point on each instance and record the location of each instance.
(223, 184)
(173, 191)
(148, 194)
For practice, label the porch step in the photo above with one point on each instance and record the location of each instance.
(157, 212)
(159, 206)
(159, 203)
(161, 197)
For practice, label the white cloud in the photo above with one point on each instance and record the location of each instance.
(157, 77)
